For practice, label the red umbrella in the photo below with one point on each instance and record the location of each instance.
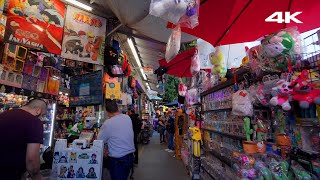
(180, 65)
(237, 21)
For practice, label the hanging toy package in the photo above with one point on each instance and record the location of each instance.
(190, 18)
(195, 64)
(173, 45)
(280, 48)
(182, 89)
(241, 103)
(169, 10)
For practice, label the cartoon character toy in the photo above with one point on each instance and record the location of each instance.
(283, 95)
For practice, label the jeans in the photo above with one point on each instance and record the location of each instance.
(170, 141)
(136, 153)
(120, 167)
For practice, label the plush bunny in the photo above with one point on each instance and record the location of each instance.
(283, 95)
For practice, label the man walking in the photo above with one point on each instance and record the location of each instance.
(170, 129)
(136, 124)
(117, 132)
(22, 133)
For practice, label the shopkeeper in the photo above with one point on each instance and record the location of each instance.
(21, 133)
(117, 132)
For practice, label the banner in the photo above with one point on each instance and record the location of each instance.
(84, 36)
(36, 24)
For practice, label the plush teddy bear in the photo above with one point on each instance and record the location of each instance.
(217, 60)
(304, 91)
(283, 95)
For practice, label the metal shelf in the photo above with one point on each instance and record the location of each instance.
(225, 134)
(217, 110)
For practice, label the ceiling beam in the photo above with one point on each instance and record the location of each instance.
(141, 37)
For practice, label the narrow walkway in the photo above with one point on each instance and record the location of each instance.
(157, 164)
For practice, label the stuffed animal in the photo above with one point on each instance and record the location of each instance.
(304, 91)
(283, 95)
(170, 10)
(281, 43)
(182, 89)
(195, 64)
(217, 60)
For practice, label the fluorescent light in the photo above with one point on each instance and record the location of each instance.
(53, 115)
(136, 57)
(79, 4)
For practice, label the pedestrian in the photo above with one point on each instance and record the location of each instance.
(171, 130)
(22, 133)
(136, 124)
(161, 129)
(117, 132)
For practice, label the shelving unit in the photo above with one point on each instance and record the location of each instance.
(224, 134)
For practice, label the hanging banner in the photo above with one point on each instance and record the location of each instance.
(3, 20)
(36, 24)
(84, 36)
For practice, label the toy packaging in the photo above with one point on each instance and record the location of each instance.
(76, 162)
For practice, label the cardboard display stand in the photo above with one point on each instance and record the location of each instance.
(76, 162)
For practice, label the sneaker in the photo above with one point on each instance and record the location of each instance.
(167, 150)
(170, 151)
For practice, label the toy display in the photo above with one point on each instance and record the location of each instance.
(263, 124)
(217, 61)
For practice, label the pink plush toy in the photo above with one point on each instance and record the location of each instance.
(182, 89)
(283, 95)
(304, 91)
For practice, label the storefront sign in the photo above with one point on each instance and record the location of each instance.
(84, 36)
(36, 24)
(148, 70)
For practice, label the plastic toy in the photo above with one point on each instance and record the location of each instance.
(247, 129)
(261, 130)
(283, 95)
(304, 91)
(76, 129)
(217, 60)
(264, 172)
(196, 137)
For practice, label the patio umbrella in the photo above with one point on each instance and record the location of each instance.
(237, 21)
(180, 65)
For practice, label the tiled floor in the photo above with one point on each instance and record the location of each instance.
(157, 164)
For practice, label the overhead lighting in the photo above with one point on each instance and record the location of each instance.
(136, 57)
(79, 4)
(148, 86)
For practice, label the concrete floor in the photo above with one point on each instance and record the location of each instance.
(157, 164)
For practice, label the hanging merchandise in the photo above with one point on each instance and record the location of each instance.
(84, 36)
(241, 103)
(283, 91)
(3, 20)
(190, 18)
(131, 82)
(217, 61)
(195, 64)
(182, 89)
(173, 45)
(113, 90)
(126, 67)
(35, 24)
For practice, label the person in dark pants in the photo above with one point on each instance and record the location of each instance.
(171, 130)
(136, 125)
(117, 132)
(161, 128)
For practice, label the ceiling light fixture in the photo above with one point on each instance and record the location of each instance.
(136, 57)
(79, 4)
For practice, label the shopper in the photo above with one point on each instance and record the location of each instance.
(22, 133)
(117, 132)
(161, 128)
(136, 124)
(170, 130)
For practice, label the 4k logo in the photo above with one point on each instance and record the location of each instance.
(287, 18)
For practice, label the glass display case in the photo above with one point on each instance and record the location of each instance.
(48, 124)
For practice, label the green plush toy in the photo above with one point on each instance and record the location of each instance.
(76, 129)
(247, 129)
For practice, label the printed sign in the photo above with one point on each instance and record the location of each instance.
(36, 24)
(84, 36)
